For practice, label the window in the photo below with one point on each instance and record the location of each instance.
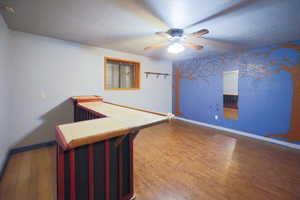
(121, 74)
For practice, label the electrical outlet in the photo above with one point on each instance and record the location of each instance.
(43, 95)
(216, 117)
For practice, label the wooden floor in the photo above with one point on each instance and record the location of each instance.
(178, 161)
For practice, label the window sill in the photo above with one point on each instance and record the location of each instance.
(121, 88)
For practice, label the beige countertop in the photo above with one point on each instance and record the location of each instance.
(119, 120)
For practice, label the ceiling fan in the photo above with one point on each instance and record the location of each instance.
(175, 37)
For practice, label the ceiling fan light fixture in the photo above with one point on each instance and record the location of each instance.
(175, 48)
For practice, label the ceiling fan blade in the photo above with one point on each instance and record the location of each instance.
(164, 35)
(158, 45)
(193, 46)
(231, 9)
(218, 43)
(199, 33)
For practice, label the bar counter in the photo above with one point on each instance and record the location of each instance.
(95, 153)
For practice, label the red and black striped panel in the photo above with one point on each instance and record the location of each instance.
(81, 114)
(99, 171)
(125, 167)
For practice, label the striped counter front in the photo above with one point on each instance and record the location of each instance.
(95, 154)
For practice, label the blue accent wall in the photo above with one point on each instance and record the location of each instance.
(265, 103)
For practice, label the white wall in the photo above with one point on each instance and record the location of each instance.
(46, 72)
(4, 101)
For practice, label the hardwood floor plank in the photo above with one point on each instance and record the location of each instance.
(178, 161)
(10, 178)
(45, 180)
(24, 183)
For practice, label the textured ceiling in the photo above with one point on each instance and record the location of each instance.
(129, 25)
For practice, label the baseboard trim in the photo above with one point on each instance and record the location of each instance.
(22, 149)
(32, 147)
(251, 135)
(3, 167)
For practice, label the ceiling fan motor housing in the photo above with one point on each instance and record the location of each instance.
(175, 32)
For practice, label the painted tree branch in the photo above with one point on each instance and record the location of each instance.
(254, 63)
